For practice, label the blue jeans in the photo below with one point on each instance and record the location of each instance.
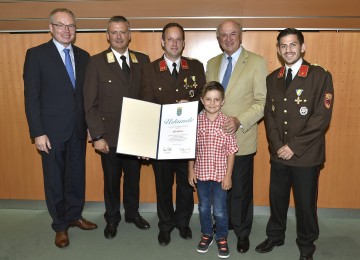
(211, 193)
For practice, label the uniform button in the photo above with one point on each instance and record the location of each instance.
(177, 101)
(285, 133)
(285, 111)
(285, 122)
(103, 118)
(177, 90)
(285, 99)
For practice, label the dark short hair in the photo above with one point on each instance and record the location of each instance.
(213, 85)
(289, 31)
(118, 19)
(60, 10)
(169, 25)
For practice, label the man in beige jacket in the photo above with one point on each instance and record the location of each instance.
(243, 74)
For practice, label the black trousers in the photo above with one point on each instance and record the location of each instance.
(114, 165)
(64, 181)
(165, 171)
(240, 197)
(304, 181)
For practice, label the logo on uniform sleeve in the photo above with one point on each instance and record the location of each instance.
(328, 100)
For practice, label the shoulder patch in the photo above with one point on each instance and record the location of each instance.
(328, 100)
(317, 65)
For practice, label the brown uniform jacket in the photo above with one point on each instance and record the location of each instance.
(104, 88)
(160, 87)
(300, 115)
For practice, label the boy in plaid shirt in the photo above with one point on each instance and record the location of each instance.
(211, 171)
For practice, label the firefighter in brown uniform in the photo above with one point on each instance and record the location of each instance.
(171, 79)
(297, 114)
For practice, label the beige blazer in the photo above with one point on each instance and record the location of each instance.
(244, 96)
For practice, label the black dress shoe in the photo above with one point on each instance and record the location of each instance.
(139, 222)
(185, 232)
(304, 257)
(110, 231)
(243, 244)
(164, 238)
(268, 246)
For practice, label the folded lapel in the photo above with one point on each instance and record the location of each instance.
(239, 66)
(56, 58)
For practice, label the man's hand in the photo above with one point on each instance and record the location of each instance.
(231, 125)
(285, 153)
(42, 143)
(101, 146)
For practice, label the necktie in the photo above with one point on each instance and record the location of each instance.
(174, 72)
(288, 78)
(69, 67)
(125, 67)
(227, 74)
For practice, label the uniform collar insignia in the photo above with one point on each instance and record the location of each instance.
(110, 57)
(162, 65)
(281, 72)
(303, 71)
(184, 64)
(133, 58)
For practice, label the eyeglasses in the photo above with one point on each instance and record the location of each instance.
(61, 26)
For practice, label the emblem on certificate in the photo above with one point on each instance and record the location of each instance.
(179, 111)
(303, 111)
(110, 57)
(298, 93)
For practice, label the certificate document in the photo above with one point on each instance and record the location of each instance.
(158, 131)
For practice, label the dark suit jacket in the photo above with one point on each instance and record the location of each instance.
(300, 115)
(52, 106)
(104, 88)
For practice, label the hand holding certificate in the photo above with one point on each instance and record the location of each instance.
(158, 131)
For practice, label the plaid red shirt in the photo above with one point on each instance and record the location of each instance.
(213, 146)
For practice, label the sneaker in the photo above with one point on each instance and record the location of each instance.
(223, 248)
(204, 243)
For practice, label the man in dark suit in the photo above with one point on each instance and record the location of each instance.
(297, 114)
(111, 75)
(171, 79)
(53, 78)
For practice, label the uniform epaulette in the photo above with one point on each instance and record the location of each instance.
(317, 65)
(191, 58)
(142, 52)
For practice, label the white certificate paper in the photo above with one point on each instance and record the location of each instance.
(158, 131)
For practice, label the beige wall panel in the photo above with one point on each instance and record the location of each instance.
(20, 164)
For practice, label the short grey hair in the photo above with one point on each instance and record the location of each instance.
(61, 10)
